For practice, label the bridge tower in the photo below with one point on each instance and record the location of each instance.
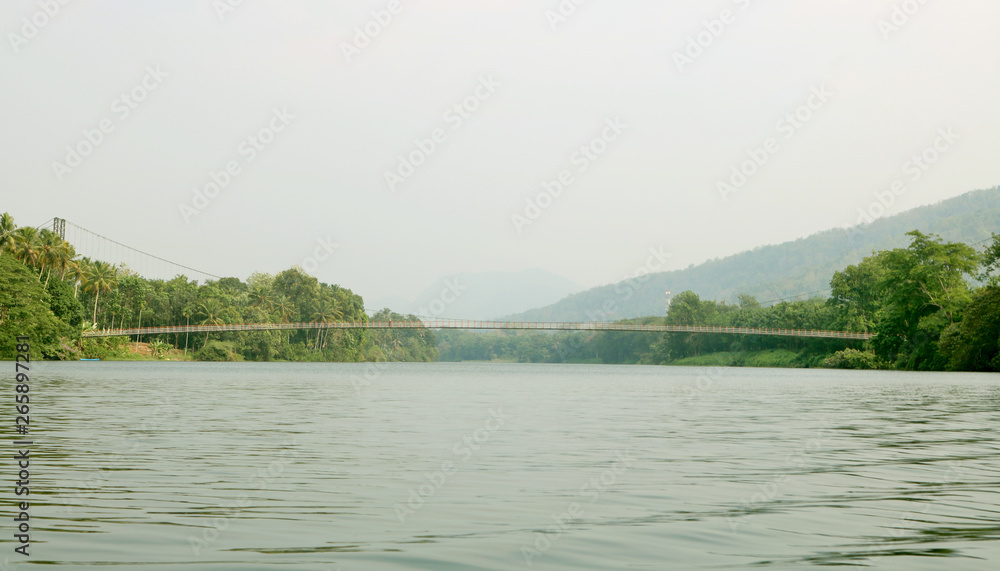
(59, 227)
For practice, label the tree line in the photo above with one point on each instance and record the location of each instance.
(51, 293)
(933, 306)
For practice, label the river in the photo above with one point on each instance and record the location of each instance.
(336, 467)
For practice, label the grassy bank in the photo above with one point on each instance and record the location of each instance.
(779, 358)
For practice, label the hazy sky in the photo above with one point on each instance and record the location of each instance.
(311, 113)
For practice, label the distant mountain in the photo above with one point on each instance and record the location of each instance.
(773, 273)
(485, 295)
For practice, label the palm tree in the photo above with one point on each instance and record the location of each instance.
(100, 277)
(53, 253)
(158, 348)
(7, 228)
(65, 252)
(211, 309)
(187, 311)
(260, 296)
(26, 245)
(285, 309)
(325, 312)
(78, 271)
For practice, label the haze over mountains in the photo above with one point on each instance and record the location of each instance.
(486, 295)
(797, 269)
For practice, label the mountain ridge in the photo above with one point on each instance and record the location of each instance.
(775, 272)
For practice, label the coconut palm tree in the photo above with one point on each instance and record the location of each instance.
(260, 296)
(78, 270)
(66, 255)
(101, 277)
(211, 311)
(7, 228)
(26, 245)
(325, 312)
(53, 254)
(285, 309)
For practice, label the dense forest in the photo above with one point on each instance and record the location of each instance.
(50, 294)
(933, 305)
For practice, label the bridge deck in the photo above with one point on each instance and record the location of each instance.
(482, 325)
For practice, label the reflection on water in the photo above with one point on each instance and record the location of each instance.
(445, 466)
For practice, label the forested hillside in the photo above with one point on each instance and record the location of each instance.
(777, 272)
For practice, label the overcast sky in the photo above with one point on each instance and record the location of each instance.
(310, 112)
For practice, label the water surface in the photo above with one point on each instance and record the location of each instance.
(496, 466)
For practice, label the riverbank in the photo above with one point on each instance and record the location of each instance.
(771, 358)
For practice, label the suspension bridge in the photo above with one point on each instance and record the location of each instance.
(97, 247)
(92, 245)
(481, 326)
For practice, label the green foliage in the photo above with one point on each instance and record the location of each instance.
(916, 299)
(991, 263)
(418, 345)
(217, 351)
(856, 294)
(688, 309)
(64, 304)
(108, 296)
(974, 344)
(159, 348)
(854, 359)
(508, 346)
(67, 350)
(923, 291)
(771, 358)
(105, 348)
(25, 311)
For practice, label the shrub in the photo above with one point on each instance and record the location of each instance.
(216, 351)
(105, 348)
(854, 359)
